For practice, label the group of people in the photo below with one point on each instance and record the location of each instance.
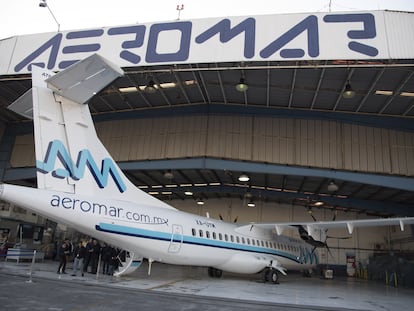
(86, 256)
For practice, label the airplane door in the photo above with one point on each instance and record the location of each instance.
(176, 239)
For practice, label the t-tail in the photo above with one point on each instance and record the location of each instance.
(69, 155)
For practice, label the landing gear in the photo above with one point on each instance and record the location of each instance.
(271, 275)
(215, 273)
(307, 273)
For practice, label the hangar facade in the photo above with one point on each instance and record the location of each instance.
(322, 122)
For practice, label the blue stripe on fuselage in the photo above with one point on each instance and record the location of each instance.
(163, 236)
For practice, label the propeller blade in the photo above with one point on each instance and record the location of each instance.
(329, 252)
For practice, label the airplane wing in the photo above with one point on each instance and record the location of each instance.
(347, 224)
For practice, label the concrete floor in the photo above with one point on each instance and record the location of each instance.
(338, 293)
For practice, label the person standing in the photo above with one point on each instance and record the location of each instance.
(63, 253)
(89, 251)
(79, 255)
(96, 251)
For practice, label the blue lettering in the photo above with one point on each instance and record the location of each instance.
(309, 24)
(139, 32)
(56, 150)
(368, 32)
(171, 42)
(248, 26)
(80, 48)
(53, 44)
(183, 52)
(85, 206)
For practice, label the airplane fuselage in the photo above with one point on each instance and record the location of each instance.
(166, 235)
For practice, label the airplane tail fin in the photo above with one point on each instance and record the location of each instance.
(69, 155)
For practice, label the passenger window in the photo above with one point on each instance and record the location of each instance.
(262, 243)
(214, 235)
(237, 239)
(200, 232)
(220, 237)
(226, 237)
(248, 241)
(194, 232)
(232, 238)
(243, 241)
(208, 234)
(253, 242)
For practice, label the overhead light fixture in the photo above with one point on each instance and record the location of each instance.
(348, 92)
(200, 202)
(383, 92)
(243, 177)
(128, 89)
(407, 94)
(251, 204)
(188, 192)
(332, 187)
(242, 86)
(318, 203)
(168, 175)
(150, 88)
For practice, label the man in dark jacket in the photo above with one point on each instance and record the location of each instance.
(79, 255)
(96, 251)
(63, 252)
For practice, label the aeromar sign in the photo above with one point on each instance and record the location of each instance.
(277, 37)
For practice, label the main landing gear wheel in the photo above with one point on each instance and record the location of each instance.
(214, 273)
(271, 275)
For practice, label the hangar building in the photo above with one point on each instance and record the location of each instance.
(249, 119)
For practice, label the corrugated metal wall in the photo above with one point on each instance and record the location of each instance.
(314, 143)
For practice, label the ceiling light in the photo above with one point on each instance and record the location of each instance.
(189, 82)
(242, 86)
(151, 88)
(382, 92)
(168, 85)
(244, 177)
(318, 203)
(168, 175)
(188, 192)
(200, 202)
(332, 187)
(407, 94)
(128, 89)
(348, 92)
(251, 204)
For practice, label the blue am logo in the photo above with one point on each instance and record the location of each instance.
(56, 150)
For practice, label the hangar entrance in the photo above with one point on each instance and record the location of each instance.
(176, 239)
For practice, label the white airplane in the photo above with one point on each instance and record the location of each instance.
(80, 185)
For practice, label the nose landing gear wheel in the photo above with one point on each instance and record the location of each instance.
(271, 275)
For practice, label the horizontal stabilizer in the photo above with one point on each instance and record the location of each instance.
(84, 79)
(23, 105)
